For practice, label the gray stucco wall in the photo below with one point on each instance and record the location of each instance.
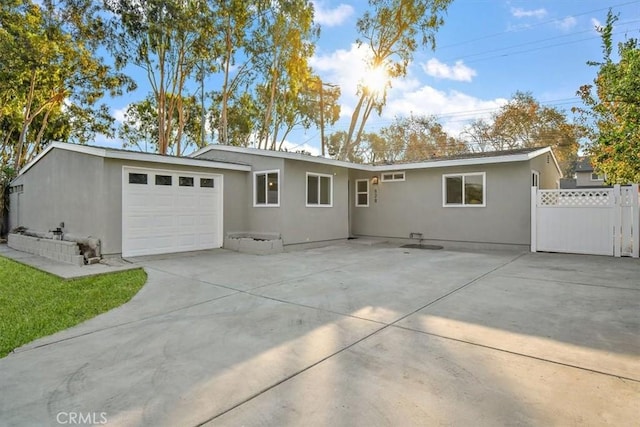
(415, 205)
(267, 219)
(549, 174)
(302, 224)
(85, 192)
(292, 219)
(62, 187)
(234, 212)
(583, 179)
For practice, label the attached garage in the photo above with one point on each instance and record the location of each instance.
(166, 211)
(134, 203)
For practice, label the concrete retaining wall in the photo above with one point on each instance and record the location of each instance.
(58, 250)
(254, 243)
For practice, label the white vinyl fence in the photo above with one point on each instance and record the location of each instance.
(594, 221)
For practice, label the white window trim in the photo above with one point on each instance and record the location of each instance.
(404, 176)
(266, 204)
(362, 192)
(598, 179)
(463, 205)
(306, 192)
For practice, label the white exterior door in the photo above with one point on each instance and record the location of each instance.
(165, 211)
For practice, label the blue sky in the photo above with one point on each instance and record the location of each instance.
(486, 51)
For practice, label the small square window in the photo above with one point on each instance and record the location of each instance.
(185, 181)
(163, 179)
(206, 182)
(393, 176)
(137, 178)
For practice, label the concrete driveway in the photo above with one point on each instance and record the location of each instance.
(347, 335)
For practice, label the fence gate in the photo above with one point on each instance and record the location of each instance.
(594, 221)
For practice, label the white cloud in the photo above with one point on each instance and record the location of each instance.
(345, 68)
(596, 24)
(567, 23)
(331, 17)
(454, 109)
(119, 114)
(458, 72)
(519, 12)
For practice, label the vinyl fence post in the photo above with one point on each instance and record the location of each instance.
(617, 221)
(534, 219)
(635, 221)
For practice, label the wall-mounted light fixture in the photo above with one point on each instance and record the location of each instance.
(374, 180)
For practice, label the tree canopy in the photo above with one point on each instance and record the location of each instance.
(52, 79)
(612, 109)
(392, 31)
(524, 123)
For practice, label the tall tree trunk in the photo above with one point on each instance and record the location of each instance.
(272, 94)
(224, 125)
(352, 126)
(365, 117)
(26, 122)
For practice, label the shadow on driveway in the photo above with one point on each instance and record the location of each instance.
(347, 335)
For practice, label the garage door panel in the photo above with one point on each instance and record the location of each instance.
(170, 218)
(167, 221)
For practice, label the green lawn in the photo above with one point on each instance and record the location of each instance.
(35, 304)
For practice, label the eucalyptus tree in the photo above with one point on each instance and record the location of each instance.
(52, 80)
(168, 39)
(392, 31)
(281, 44)
(233, 23)
(140, 126)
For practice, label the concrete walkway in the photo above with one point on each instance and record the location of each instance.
(64, 270)
(347, 335)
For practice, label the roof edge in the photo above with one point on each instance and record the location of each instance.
(279, 154)
(108, 153)
(505, 158)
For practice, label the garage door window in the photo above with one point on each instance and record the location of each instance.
(163, 179)
(266, 189)
(206, 182)
(186, 181)
(137, 178)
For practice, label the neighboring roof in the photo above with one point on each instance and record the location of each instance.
(115, 153)
(487, 157)
(584, 164)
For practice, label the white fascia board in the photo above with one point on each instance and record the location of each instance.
(183, 161)
(377, 168)
(133, 156)
(453, 162)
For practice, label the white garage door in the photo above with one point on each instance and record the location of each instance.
(166, 211)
